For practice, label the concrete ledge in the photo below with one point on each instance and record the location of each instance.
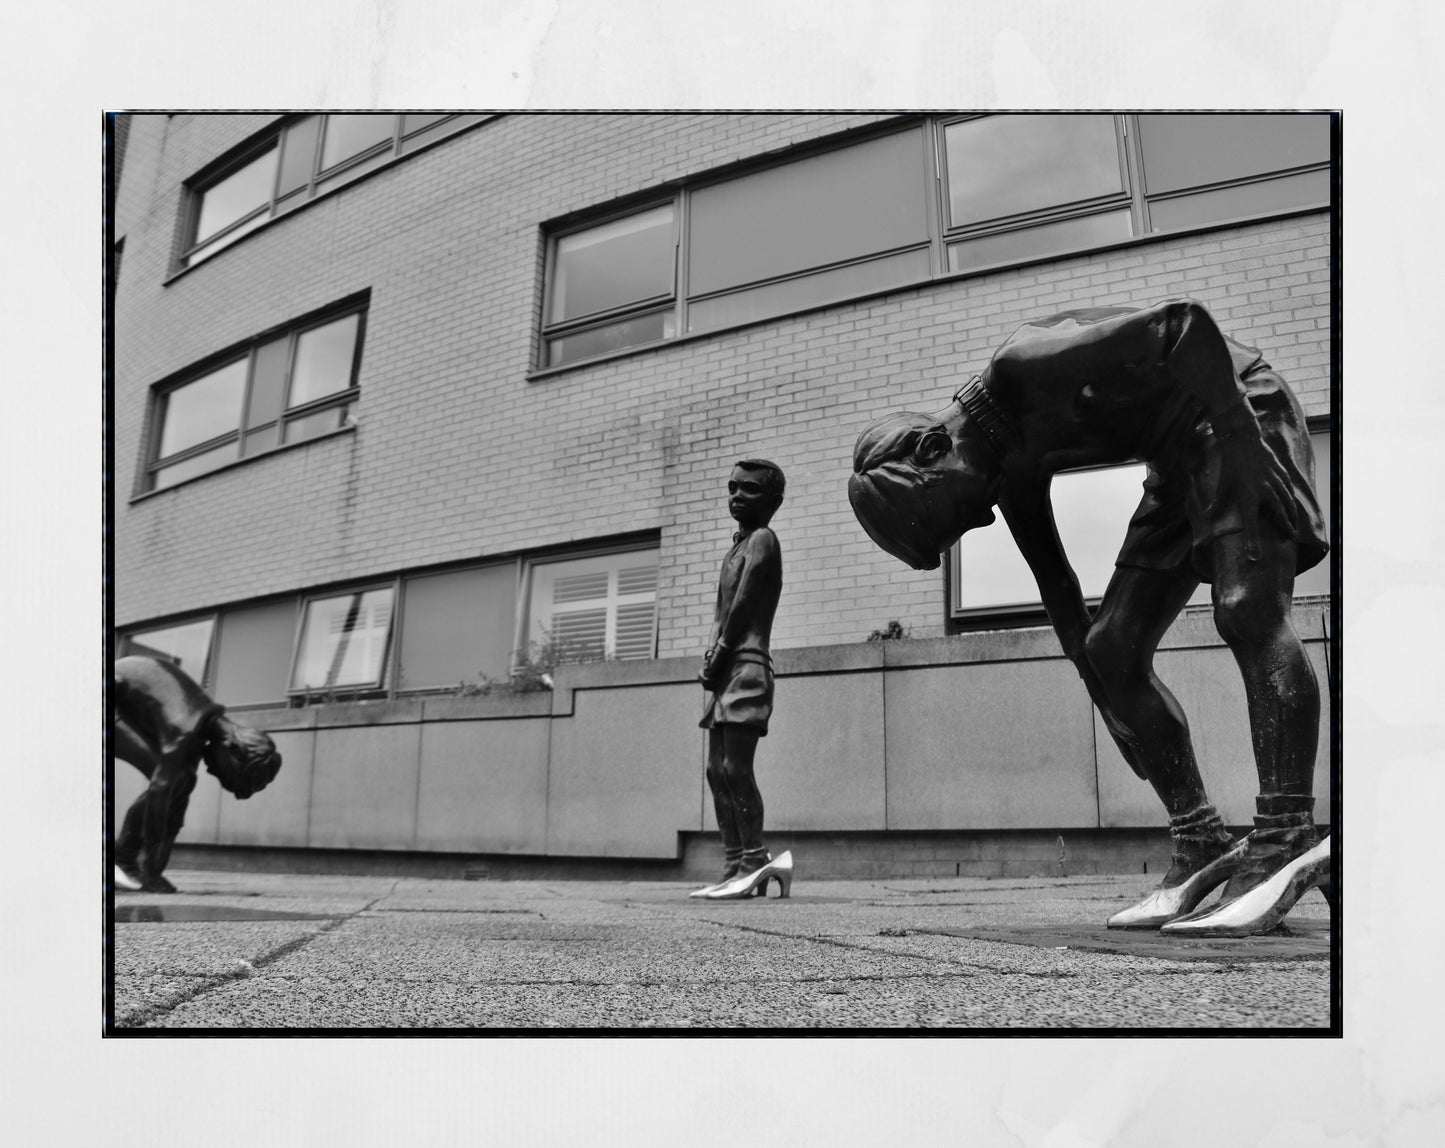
(488, 707)
(404, 711)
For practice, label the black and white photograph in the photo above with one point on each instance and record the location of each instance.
(970, 472)
(625, 532)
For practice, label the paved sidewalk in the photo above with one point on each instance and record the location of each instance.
(318, 952)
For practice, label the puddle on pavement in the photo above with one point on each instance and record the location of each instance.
(149, 914)
(1293, 941)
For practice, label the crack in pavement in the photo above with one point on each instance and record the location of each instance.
(143, 1015)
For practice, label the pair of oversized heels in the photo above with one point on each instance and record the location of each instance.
(752, 884)
(1175, 910)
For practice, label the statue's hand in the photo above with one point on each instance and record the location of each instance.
(712, 666)
(1251, 477)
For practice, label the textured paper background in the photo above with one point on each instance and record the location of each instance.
(1377, 61)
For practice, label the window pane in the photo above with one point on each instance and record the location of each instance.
(604, 605)
(298, 157)
(618, 263)
(237, 195)
(1092, 509)
(1035, 242)
(309, 426)
(351, 135)
(807, 291)
(229, 238)
(457, 627)
(187, 646)
(263, 439)
(1182, 151)
(196, 464)
(1310, 188)
(323, 361)
(268, 382)
(343, 641)
(855, 201)
(612, 337)
(415, 121)
(201, 410)
(1009, 164)
(254, 654)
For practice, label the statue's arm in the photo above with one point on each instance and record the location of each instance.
(1030, 518)
(762, 568)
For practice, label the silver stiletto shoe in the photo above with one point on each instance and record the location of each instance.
(1164, 905)
(756, 882)
(1263, 907)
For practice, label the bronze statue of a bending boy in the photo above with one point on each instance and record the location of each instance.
(1229, 500)
(165, 725)
(737, 672)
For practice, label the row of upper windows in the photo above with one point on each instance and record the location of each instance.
(431, 631)
(292, 163)
(941, 196)
(419, 632)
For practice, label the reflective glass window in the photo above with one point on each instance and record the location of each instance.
(625, 261)
(236, 196)
(349, 135)
(187, 646)
(1011, 164)
(253, 653)
(1186, 150)
(457, 627)
(324, 356)
(204, 409)
(844, 204)
(343, 641)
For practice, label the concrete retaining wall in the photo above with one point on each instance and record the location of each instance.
(979, 731)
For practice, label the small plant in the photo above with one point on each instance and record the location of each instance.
(533, 671)
(890, 633)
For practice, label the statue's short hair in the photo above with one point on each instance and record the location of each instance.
(886, 485)
(775, 483)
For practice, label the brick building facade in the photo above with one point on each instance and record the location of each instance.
(461, 451)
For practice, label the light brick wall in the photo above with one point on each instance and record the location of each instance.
(459, 456)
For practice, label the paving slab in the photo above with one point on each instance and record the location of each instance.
(283, 952)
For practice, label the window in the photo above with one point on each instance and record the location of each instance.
(343, 642)
(612, 286)
(253, 653)
(944, 195)
(186, 645)
(293, 163)
(988, 576)
(457, 626)
(603, 606)
(282, 388)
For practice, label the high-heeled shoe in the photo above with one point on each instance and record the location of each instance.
(729, 872)
(1263, 907)
(755, 883)
(1167, 904)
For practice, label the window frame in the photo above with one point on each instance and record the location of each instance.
(247, 352)
(319, 181)
(1134, 199)
(964, 619)
(127, 640)
(379, 687)
(653, 304)
(522, 645)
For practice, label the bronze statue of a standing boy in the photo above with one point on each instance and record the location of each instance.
(737, 673)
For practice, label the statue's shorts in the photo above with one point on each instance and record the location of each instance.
(1174, 529)
(746, 698)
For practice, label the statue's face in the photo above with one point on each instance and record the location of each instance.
(932, 500)
(750, 502)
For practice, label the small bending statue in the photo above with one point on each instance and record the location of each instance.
(1229, 500)
(165, 725)
(737, 673)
